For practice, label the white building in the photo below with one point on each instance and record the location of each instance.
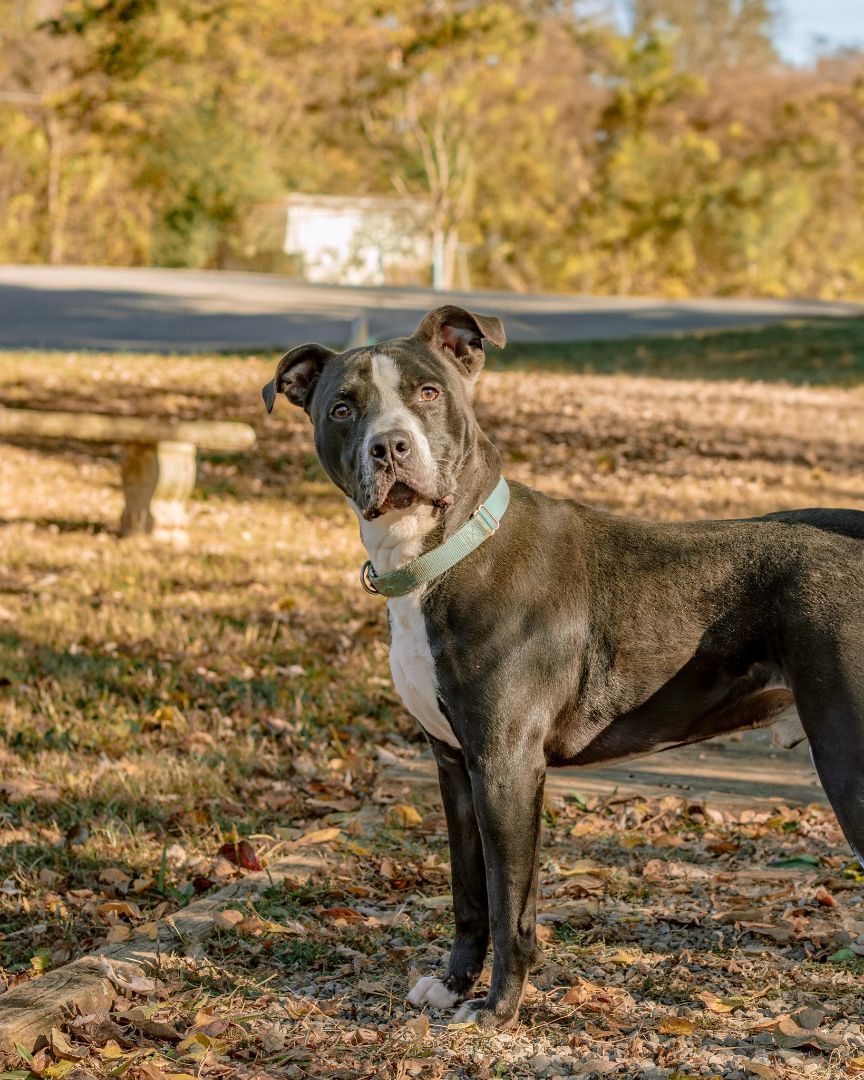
(359, 240)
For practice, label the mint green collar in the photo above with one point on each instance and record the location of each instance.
(425, 568)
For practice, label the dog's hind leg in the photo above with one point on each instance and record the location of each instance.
(832, 712)
(468, 873)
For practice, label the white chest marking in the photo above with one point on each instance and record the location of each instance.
(391, 541)
(413, 667)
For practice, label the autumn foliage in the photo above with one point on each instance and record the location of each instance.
(558, 151)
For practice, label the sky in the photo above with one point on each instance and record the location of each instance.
(839, 22)
(804, 27)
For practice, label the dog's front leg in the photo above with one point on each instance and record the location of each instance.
(468, 874)
(508, 800)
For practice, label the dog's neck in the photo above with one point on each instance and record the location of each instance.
(399, 536)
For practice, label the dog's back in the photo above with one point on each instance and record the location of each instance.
(842, 522)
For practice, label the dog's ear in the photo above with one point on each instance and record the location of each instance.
(460, 333)
(296, 375)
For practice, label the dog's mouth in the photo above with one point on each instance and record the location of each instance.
(402, 496)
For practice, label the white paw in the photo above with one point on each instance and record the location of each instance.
(465, 1014)
(430, 990)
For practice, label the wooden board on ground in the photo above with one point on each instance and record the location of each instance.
(30, 1010)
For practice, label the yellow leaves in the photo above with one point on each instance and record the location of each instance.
(717, 1004)
(404, 815)
(676, 1025)
(198, 1045)
(318, 836)
(418, 1026)
(625, 957)
(166, 718)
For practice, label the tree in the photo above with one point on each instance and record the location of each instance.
(712, 35)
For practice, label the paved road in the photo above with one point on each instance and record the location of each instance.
(748, 772)
(185, 310)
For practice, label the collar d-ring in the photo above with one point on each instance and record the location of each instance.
(366, 573)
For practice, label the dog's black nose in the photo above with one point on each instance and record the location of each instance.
(391, 445)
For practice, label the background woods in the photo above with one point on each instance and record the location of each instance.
(559, 152)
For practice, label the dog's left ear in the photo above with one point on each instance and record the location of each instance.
(296, 375)
(460, 333)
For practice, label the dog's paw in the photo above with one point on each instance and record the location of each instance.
(430, 990)
(478, 1012)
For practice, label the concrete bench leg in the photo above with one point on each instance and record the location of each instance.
(158, 478)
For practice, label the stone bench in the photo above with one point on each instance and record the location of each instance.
(158, 462)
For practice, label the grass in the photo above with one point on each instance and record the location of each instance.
(156, 703)
(826, 352)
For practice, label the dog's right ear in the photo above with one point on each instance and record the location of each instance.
(296, 375)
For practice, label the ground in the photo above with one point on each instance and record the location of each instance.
(158, 704)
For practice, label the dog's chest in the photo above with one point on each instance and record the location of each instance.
(413, 667)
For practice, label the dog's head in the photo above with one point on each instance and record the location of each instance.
(393, 422)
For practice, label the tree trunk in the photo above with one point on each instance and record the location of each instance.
(56, 204)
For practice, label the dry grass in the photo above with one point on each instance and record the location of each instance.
(155, 703)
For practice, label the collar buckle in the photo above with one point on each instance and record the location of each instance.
(486, 518)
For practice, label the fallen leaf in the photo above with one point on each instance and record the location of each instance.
(663, 869)
(597, 998)
(273, 1038)
(625, 957)
(318, 836)
(119, 907)
(388, 869)
(808, 1018)
(134, 984)
(841, 956)
(418, 1026)
(823, 897)
(805, 862)
(713, 1003)
(112, 876)
(405, 815)
(676, 1025)
(241, 854)
(62, 1048)
(228, 918)
(39, 1062)
(758, 1069)
(346, 914)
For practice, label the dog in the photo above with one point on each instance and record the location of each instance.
(530, 632)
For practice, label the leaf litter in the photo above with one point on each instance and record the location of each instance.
(221, 709)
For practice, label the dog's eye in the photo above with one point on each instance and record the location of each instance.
(429, 393)
(340, 411)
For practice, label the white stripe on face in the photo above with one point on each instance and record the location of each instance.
(394, 414)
